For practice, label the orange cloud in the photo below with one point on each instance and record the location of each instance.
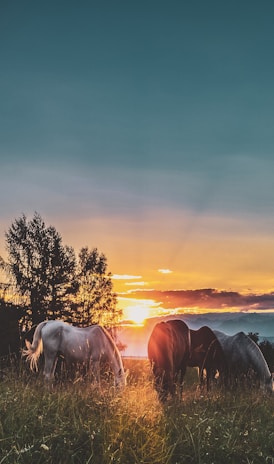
(209, 298)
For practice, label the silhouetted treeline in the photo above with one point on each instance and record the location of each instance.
(54, 281)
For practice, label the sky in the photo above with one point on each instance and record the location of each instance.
(145, 129)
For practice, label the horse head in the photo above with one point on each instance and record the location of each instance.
(270, 383)
(121, 378)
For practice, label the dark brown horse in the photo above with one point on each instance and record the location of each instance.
(207, 354)
(172, 347)
(168, 352)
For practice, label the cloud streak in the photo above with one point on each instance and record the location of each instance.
(209, 299)
(125, 277)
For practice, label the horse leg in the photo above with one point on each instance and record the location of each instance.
(162, 388)
(49, 367)
(181, 376)
(203, 375)
(161, 384)
(210, 376)
(96, 372)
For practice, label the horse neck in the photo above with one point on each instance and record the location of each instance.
(258, 361)
(115, 358)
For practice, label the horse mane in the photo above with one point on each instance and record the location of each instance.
(258, 358)
(113, 346)
(246, 352)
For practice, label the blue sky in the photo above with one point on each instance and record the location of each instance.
(146, 129)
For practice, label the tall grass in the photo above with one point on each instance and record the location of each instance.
(76, 423)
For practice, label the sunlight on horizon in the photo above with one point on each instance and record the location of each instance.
(137, 310)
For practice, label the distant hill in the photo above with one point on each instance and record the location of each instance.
(136, 337)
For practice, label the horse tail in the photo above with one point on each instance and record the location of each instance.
(35, 349)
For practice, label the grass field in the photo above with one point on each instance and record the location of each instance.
(76, 423)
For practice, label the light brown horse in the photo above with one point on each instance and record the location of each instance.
(244, 356)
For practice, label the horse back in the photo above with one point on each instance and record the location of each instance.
(201, 340)
(168, 345)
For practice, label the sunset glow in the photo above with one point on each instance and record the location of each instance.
(140, 304)
(137, 310)
(137, 157)
(137, 314)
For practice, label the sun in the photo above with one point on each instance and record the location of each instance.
(136, 310)
(137, 313)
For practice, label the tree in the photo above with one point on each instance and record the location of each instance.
(41, 266)
(266, 348)
(55, 283)
(254, 336)
(95, 301)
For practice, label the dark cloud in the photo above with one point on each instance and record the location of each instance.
(208, 298)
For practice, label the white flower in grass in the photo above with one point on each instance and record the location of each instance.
(44, 447)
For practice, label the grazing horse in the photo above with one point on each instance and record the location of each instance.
(89, 346)
(207, 354)
(243, 355)
(172, 347)
(168, 352)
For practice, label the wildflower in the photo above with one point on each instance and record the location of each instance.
(44, 447)
(26, 449)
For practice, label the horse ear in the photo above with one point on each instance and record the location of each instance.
(199, 349)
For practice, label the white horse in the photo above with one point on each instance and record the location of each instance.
(243, 354)
(90, 346)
